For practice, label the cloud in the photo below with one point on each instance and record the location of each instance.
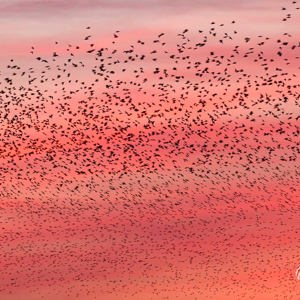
(53, 7)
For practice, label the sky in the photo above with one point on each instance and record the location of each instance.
(138, 163)
(26, 23)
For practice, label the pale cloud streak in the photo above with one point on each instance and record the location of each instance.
(53, 7)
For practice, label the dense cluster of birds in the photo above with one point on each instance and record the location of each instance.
(151, 168)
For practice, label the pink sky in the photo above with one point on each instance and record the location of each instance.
(26, 23)
(81, 222)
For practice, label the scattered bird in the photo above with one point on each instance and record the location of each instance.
(128, 165)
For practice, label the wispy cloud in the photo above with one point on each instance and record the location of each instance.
(41, 7)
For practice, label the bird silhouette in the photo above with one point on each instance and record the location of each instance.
(160, 168)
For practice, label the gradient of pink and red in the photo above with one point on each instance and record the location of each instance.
(152, 232)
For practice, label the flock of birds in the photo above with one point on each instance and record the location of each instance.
(161, 168)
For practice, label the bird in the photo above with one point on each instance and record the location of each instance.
(163, 167)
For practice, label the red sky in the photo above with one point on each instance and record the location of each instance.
(127, 182)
